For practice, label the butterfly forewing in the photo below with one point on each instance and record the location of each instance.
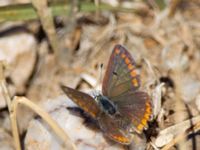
(136, 107)
(86, 102)
(120, 75)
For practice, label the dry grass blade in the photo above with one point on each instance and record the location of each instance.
(3, 86)
(8, 102)
(46, 18)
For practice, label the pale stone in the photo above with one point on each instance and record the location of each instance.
(19, 52)
(6, 141)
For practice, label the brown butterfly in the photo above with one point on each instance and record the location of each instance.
(122, 108)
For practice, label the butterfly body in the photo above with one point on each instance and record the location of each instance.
(122, 108)
(106, 105)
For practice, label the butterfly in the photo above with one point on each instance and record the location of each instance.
(122, 109)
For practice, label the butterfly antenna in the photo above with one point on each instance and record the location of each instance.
(99, 81)
(101, 74)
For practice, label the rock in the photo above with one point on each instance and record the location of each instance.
(190, 88)
(5, 141)
(19, 52)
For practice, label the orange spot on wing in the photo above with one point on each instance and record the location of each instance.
(130, 66)
(90, 111)
(133, 73)
(123, 55)
(135, 82)
(148, 108)
(147, 115)
(140, 127)
(147, 104)
(144, 122)
(127, 61)
(117, 51)
(121, 139)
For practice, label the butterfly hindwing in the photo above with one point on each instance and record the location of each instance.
(112, 129)
(85, 101)
(135, 106)
(120, 75)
